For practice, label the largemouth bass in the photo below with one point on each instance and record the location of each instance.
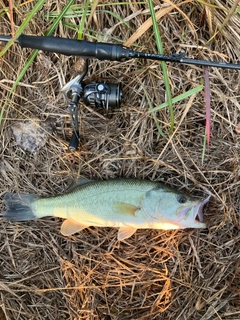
(127, 204)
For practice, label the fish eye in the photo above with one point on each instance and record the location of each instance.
(181, 198)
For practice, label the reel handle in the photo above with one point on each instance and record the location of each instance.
(74, 142)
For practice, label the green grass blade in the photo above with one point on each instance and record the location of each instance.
(59, 18)
(211, 5)
(163, 64)
(178, 98)
(38, 6)
(25, 23)
(117, 17)
(34, 54)
(83, 20)
(1, 113)
(237, 10)
(231, 12)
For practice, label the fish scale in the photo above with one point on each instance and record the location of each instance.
(100, 196)
(128, 204)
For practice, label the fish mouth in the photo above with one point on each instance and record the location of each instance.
(193, 215)
(198, 209)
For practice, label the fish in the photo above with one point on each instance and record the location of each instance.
(127, 204)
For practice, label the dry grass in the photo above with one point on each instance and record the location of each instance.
(189, 274)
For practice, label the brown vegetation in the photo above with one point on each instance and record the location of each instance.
(186, 274)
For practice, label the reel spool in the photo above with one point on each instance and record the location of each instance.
(102, 95)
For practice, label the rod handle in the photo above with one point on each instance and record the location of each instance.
(73, 47)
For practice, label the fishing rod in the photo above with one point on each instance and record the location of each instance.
(98, 94)
(105, 51)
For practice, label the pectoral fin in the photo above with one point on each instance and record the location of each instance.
(70, 227)
(125, 208)
(125, 232)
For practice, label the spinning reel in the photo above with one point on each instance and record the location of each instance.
(99, 94)
(96, 94)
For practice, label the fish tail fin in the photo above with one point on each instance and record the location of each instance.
(20, 207)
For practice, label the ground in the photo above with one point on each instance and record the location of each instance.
(184, 274)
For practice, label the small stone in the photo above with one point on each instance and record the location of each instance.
(31, 135)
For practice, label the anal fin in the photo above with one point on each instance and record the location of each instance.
(125, 232)
(70, 227)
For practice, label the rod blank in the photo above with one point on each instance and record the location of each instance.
(105, 51)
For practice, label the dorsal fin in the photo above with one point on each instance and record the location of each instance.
(76, 182)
